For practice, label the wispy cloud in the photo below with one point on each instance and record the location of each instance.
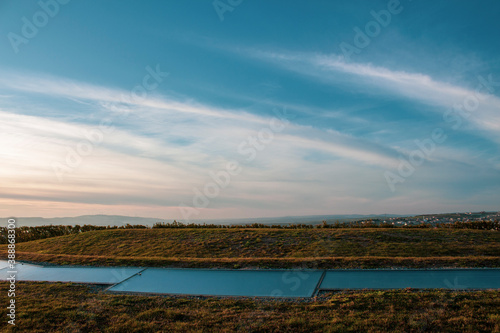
(418, 87)
(55, 86)
(228, 124)
(164, 148)
(158, 153)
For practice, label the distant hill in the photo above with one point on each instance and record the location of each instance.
(102, 220)
(118, 220)
(310, 219)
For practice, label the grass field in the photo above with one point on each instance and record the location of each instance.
(236, 248)
(58, 307)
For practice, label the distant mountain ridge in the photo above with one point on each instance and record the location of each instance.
(101, 220)
(118, 220)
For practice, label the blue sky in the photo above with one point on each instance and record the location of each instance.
(226, 109)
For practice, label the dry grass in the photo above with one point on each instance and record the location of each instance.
(234, 248)
(58, 307)
(240, 263)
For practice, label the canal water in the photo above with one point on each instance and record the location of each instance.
(255, 283)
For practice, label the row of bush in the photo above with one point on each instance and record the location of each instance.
(176, 224)
(480, 225)
(25, 234)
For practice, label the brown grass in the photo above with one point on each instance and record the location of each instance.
(237, 263)
(235, 248)
(60, 307)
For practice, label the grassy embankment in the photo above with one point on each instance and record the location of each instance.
(58, 307)
(269, 248)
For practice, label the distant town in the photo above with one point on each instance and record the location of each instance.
(437, 218)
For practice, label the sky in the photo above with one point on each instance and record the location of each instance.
(236, 109)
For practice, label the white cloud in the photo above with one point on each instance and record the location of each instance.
(226, 124)
(164, 148)
(422, 88)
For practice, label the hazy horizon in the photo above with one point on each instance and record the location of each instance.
(293, 218)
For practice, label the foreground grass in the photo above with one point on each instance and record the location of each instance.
(60, 307)
(236, 248)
